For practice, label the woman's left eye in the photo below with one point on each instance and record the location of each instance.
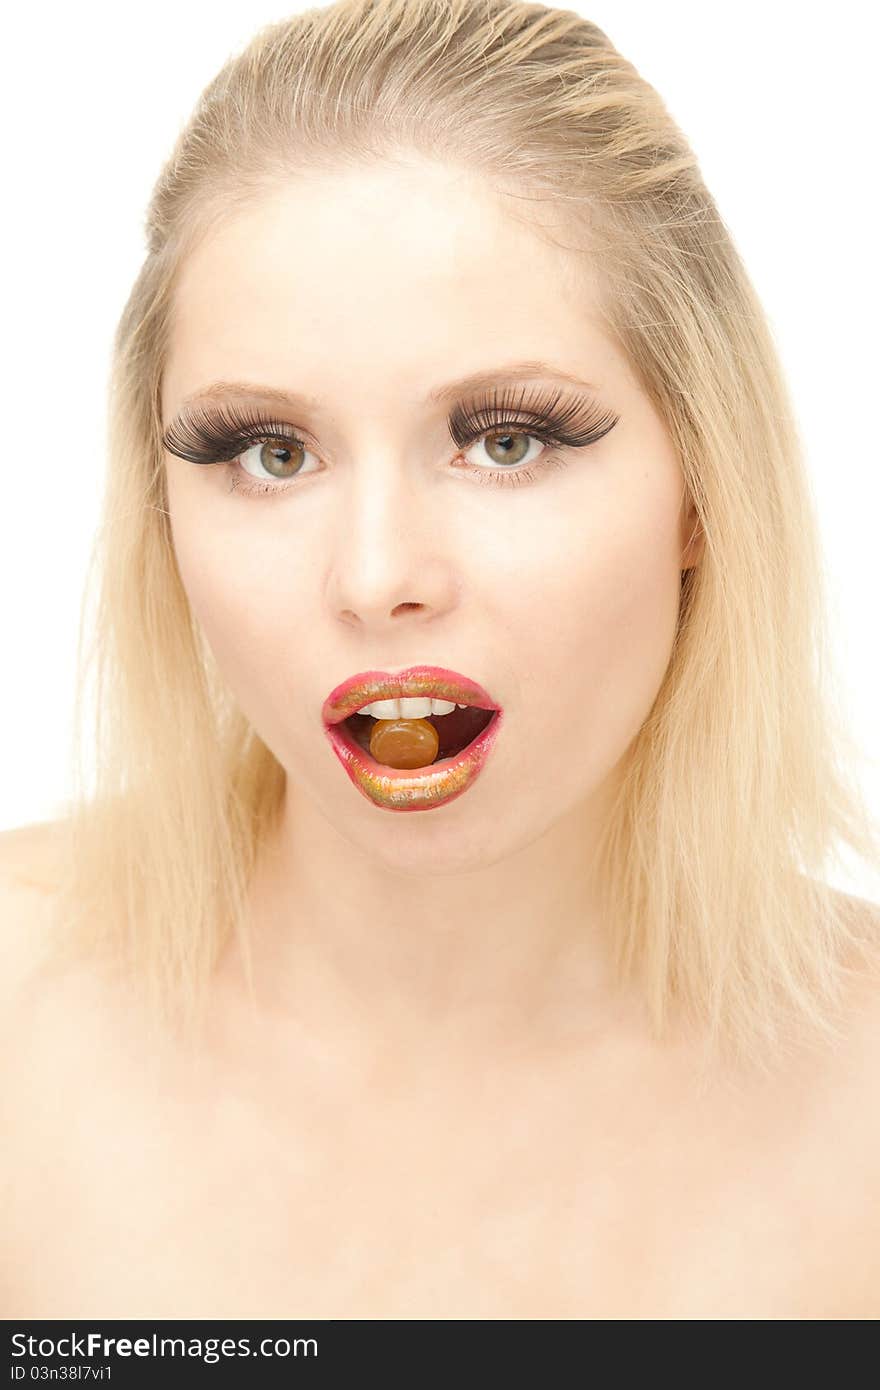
(508, 447)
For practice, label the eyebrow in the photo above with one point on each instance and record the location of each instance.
(512, 371)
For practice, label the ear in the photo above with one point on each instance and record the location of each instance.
(693, 539)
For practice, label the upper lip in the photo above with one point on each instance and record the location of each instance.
(435, 682)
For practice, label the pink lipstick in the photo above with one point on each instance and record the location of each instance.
(419, 789)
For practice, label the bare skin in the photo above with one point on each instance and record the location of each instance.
(439, 1108)
(287, 1177)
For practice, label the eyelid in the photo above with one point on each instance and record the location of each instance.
(218, 434)
(572, 421)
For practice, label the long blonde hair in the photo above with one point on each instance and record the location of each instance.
(739, 789)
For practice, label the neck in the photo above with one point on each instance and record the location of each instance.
(500, 955)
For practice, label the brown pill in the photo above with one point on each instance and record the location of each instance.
(404, 742)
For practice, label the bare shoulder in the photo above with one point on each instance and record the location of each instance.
(854, 1060)
(863, 917)
(861, 913)
(840, 1153)
(31, 861)
(31, 868)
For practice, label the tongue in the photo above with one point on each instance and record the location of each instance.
(459, 728)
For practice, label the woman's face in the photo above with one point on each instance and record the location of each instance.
(380, 541)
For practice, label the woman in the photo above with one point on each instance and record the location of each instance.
(443, 382)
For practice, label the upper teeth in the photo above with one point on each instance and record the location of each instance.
(409, 707)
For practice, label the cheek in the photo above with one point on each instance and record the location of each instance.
(596, 613)
(250, 614)
(626, 639)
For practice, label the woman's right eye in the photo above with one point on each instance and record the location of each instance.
(210, 437)
(276, 458)
(244, 446)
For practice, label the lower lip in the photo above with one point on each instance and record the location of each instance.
(406, 789)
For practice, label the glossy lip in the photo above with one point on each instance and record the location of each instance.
(404, 789)
(426, 681)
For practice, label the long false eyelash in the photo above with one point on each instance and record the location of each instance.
(221, 434)
(570, 426)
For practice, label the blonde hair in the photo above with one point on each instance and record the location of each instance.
(738, 788)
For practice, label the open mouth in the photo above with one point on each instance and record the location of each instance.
(456, 730)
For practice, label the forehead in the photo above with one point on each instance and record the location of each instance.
(387, 280)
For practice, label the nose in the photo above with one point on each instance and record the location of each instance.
(391, 556)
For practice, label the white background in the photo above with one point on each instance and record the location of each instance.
(778, 101)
